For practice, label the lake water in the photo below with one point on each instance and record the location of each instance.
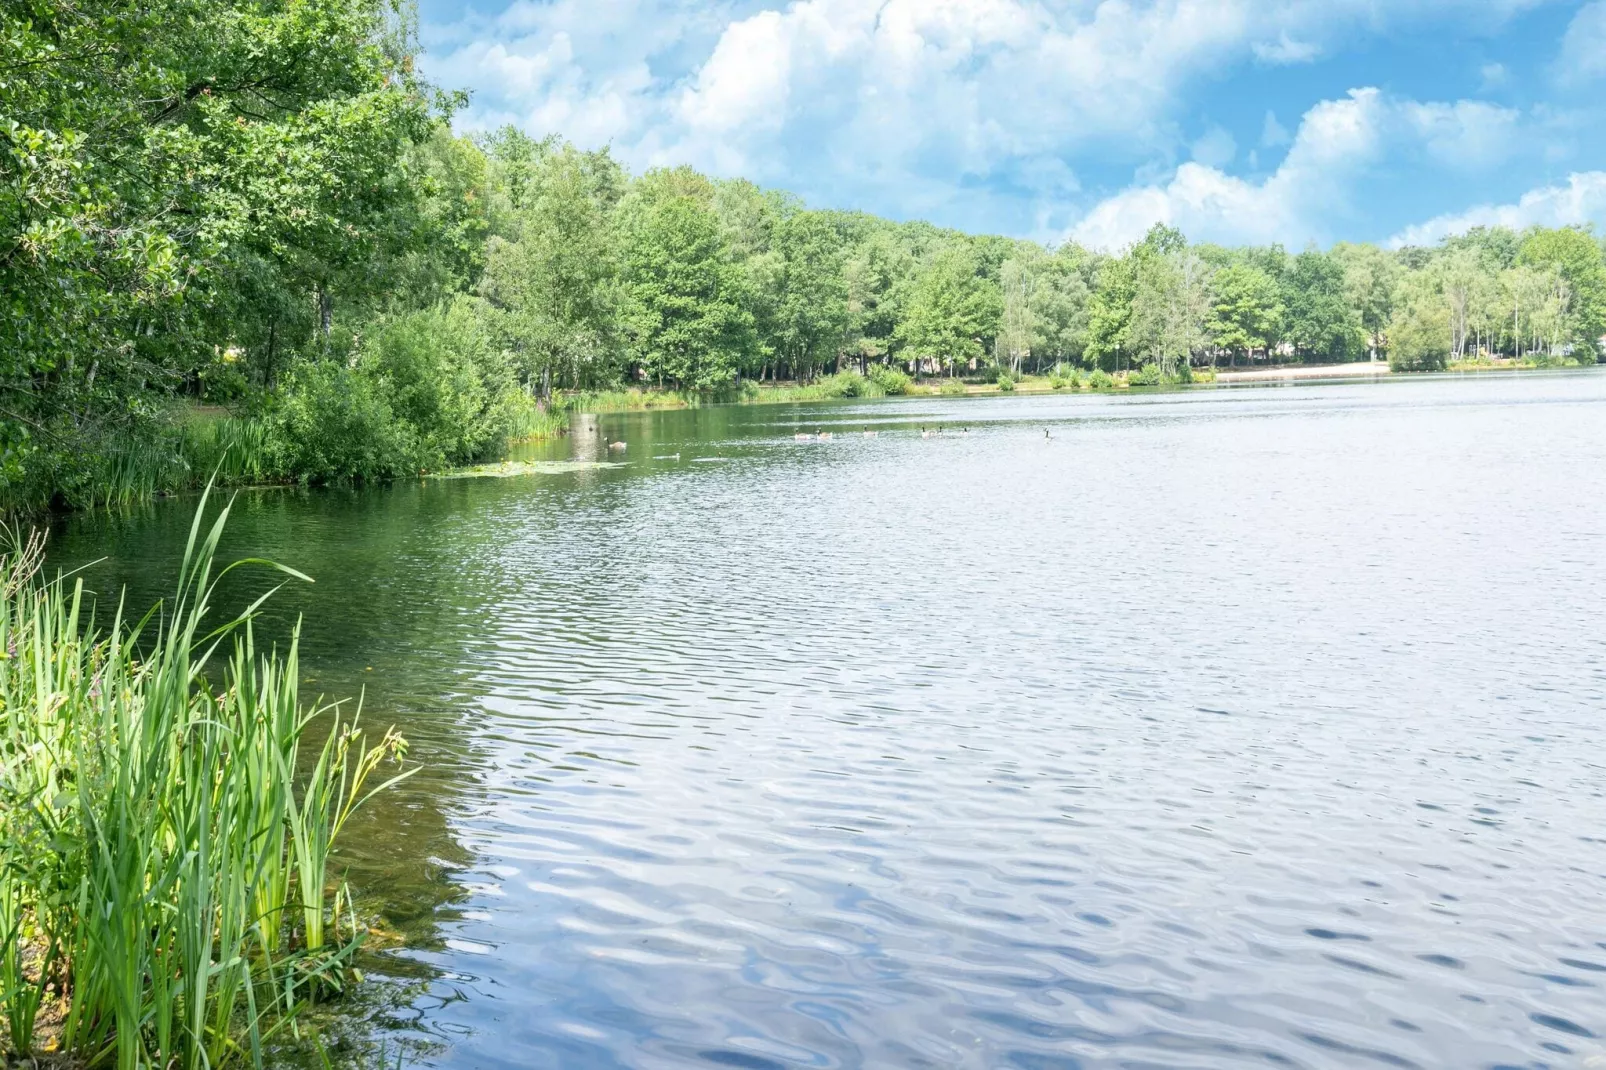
(1221, 728)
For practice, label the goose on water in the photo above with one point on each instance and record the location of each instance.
(617, 446)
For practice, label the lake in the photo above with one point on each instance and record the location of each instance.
(1216, 728)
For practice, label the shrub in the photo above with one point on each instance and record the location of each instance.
(1006, 382)
(1148, 375)
(1100, 380)
(952, 388)
(847, 384)
(442, 376)
(333, 423)
(892, 380)
(423, 391)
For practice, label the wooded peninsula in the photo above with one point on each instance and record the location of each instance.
(264, 210)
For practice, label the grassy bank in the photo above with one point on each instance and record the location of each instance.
(166, 891)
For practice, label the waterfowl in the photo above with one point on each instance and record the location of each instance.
(802, 436)
(823, 436)
(617, 446)
(870, 434)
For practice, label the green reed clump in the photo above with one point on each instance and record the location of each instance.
(165, 889)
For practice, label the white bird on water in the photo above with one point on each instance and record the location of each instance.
(618, 446)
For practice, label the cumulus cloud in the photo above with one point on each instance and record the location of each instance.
(1339, 142)
(1581, 200)
(978, 112)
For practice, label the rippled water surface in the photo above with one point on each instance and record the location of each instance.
(1225, 728)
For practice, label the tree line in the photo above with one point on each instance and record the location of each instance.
(264, 206)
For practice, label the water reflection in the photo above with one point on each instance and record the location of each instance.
(1223, 728)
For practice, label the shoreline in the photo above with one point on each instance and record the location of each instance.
(1304, 371)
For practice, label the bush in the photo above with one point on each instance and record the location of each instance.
(1006, 382)
(952, 388)
(424, 391)
(892, 380)
(1100, 380)
(1148, 375)
(846, 385)
(334, 424)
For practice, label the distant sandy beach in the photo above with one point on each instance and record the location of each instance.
(1303, 371)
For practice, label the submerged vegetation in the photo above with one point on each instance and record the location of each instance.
(192, 212)
(166, 890)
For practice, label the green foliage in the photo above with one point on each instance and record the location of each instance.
(1100, 380)
(1006, 381)
(164, 857)
(685, 311)
(953, 388)
(950, 308)
(1321, 322)
(555, 284)
(426, 391)
(1419, 335)
(1573, 255)
(1148, 375)
(848, 384)
(890, 380)
(1247, 313)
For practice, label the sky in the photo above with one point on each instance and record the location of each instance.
(1239, 121)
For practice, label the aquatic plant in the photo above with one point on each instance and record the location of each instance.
(166, 898)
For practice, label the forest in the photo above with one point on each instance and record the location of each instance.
(263, 209)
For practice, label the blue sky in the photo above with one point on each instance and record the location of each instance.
(1238, 120)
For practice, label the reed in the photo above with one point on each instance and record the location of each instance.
(165, 889)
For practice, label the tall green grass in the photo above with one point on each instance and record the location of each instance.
(165, 889)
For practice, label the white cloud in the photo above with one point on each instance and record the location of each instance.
(1339, 142)
(1285, 51)
(1583, 47)
(1581, 200)
(906, 105)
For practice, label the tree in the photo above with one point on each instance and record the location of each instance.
(1170, 303)
(1109, 312)
(1419, 331)
(1371, 277)
(878, 274)
(555, 285)
(949, 310)
(1575, 256)
(1247, 311)
(1018, 328)
(812, 297)
(154, 154)
(1320, 321)
(685, 313)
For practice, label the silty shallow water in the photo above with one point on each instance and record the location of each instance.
(1224, 728)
